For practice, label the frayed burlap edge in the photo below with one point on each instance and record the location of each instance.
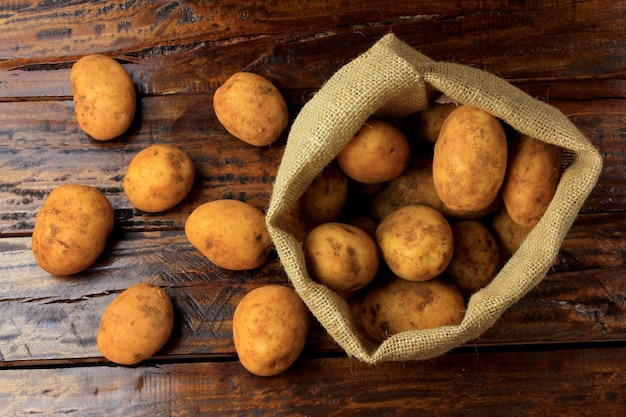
(391, 80)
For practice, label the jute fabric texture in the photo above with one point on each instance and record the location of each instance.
(392, 80)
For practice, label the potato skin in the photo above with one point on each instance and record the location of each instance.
(71, 229)
(427, 123)
(416, 242)
(377, 153)
(533, 173)
(158, 178)
(399, 305)
(509, 235)
(476, 257)
(136, 324)
(470, 159)
(104, 96)
(341, 256)
(270, 326)
(230, 233)
(251, 108)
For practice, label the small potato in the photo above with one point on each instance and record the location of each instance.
(533, 173)
(399, 305)
(158, 178)
(230, 233)
(476, 257)
(341, 256)
(377, 153)
(508, 234)
(104, 96)
(136, 324)
(270, 326)
(416, 242)
(251, 108)
(427, 123)
(72, 229)
(470, 159)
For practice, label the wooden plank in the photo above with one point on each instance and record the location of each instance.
(581, 382)
(43, 317)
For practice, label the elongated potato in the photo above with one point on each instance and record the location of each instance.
(533, 174)
(104, 96)
(470, 159)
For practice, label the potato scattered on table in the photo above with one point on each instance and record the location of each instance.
(158, 178)
(71, 229)
(104, 96)
(136, 324)
(270, 326)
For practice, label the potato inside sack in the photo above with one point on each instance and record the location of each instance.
(104, 96)
(377, 153)
(270, 326)
(71, 229)
(230, 233)
(136, 324)
(158, 178)
(341, 256)
(251, 108)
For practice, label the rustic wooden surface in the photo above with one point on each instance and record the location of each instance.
(558, 351)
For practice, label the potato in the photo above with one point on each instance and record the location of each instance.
(476, 257)
(427, 123)
(136, 324)
(71, 229)
(104, 96)
(230, 233)
(158, 178)
(270, 326)
(470, 158)
(341, 256)
(508, 234)
(377, 153)
(399, 305)
(416, 242)
(323, 201)
(533, 173)
(251, 108)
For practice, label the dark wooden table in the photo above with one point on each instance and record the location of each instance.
(559, 351)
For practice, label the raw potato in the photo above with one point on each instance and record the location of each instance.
(158, 178)
(136, 324)
(470, 158)
(230, 233)
(72, 229)
(533, 174)
(416, 242)
(341, 256)
(251, 108)
(104, 96)
(476, 257)
(427, 123)
(508, 234)
(377, 153)
(270, 326)
(399, 305)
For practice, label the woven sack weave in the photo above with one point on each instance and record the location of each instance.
(391, 80)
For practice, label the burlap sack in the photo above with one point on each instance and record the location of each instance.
(391, 80)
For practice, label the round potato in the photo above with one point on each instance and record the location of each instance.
(230, 233)
(470, 159)
(509, 235)
(72, 229)
(377, 153)
(341, 256)
(158, 178)
(136, 324)
(251, 108)
(476, 257)
(399, 305)
(270, 326)
(533, 173)
(416, 242)
(104, 96)
(427, 123)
